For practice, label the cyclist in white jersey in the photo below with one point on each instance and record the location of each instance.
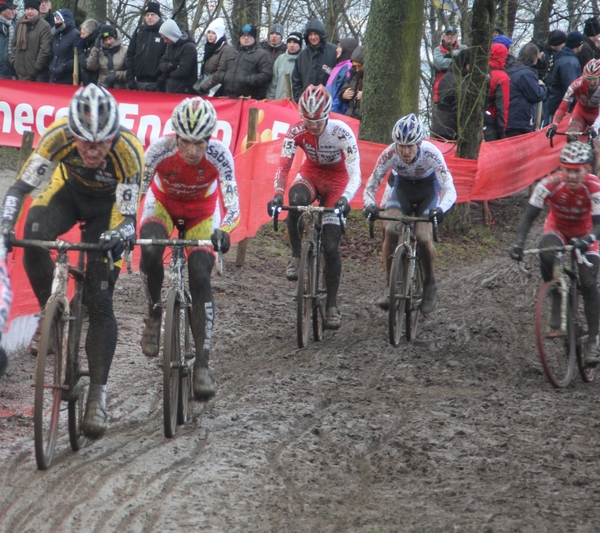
(420, 184)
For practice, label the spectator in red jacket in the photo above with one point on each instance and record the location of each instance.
(496, 113)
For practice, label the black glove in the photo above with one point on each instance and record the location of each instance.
(171, 67)
(551, 130)
(8, 232)
(436, 215)
(113, 240)
(161, 83)
(223, 237)
(370, 212)
(98, 41)
(132, 85)
(275, 202)
(109, 81)
(343, 205)
(582, 243)
(516, 252)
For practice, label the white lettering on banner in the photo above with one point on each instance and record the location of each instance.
(62, 112)
(128, 109)
(225, 127)
(43, 112)
(5, 108)
(279, 128)
(23, 118)
(149, 121)
(168, 127)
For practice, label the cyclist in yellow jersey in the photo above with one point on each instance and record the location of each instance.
(95, 167)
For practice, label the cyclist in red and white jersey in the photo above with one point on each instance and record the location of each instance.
(422, 185)
(330, 173)
(573, 195)
(184, 171)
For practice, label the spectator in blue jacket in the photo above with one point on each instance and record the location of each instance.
(526, 90)
(65, 39)
(565, 70)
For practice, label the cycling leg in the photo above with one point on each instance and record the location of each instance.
(200, 264)
(547, 259)
(591, 300)
(426, 249)
(299, 195)
(332, 269)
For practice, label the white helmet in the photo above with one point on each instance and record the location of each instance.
(408, 130)
(194, 119)
(93, 114)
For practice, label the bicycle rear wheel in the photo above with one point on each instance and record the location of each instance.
(48, 384)
(185, 375)
(318, 302)
(556, 345)
(171, 358)
(398, 293)
(305, 292)
(580, 322)
(78, 388)
(414, 302)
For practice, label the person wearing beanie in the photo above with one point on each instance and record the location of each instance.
(179, 64)
(283, 66)
(64, 41)
(504, 40)
(46, 12)
(351, 92)
(316, 61)
(31, 48)
(7, 33)
(109, 58)
(146, 49)
(274, 45)
(566, 69)
(341, 73)
(88, 33)
(246, 71)
(216, 49)
(443, 56)
(591, 41)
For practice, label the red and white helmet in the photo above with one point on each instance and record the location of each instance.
(315, 103)
(592, 69)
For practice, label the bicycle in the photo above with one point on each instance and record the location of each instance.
(311, 290)
(578, 134)
(179, 354)
(58, 370)
(406, 277)
(561, 343)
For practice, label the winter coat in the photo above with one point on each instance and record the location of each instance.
(445, 114)
(144, 53)
(84, 48)
(566, 69)
(179, 66)
(442, 60)
(7, 28)
(246, 71)
(65, 40)
(314, 65)
(525, 93)
(496, 115)
(340, 75)
(99, 60)
(284, 64)
(274, 51)
(211, 64)
(33, 61)
(588, 51)
(355, 83)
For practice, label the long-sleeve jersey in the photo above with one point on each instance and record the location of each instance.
(120, 172)
(335, 145)
(429, 162)
(171, 178)
(578, 90)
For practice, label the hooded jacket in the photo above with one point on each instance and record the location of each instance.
(341, 74)
(32, 61)
(7, 30)
(99, 61)
(65, 40)
(179, 65)
(355, 83)
(566, 69)
(144, 53)
(314, 65)
(499, 94)
(284, 64)
(525, 92)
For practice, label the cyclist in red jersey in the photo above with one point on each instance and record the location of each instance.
(330, 173)
(573, 195)
(185, 170)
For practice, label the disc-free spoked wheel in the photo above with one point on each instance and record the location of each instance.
(78, 388)
(185, 375)
(318, 303)
(305, 293)
(398, 293)
(171, 358)
(587, 374)
(556, 344)
(414, 302)
(48, 384)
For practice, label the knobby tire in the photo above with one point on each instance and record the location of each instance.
(305, 291)
(398, 293)
(171, 358)
(318, 302)
(580, 322)
(414, 302)
(185, 376)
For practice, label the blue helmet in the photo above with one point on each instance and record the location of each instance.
(408, 130)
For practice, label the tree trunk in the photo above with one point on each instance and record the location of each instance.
(472, 99)
(180, 14)
(541, 21)
(391, 83)
(95, 9)
(244, 12)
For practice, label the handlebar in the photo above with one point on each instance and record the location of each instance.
(64, 246)
(174, 243)
(307, 209)
(405, 220)
(570, 133)
(580, 258)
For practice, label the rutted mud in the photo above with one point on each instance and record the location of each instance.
(458, 431)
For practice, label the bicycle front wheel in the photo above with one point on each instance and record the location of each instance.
(398, 294)
(581, 335)
(171, 358)
(305, 292)
(414, 302)
(556, 344)
(185, 375)
(48, 384)
(320, 292)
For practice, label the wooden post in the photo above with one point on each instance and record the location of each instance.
(75, 66)
(26, 148)
(288, 86)
(250, 141)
